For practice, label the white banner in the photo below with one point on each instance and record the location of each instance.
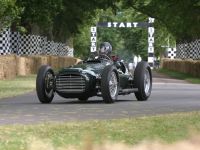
(93, 39)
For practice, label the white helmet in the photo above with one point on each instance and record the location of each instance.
(105, 48)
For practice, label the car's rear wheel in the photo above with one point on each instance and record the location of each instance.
(143, 81)
(109, 84)
(45, 84)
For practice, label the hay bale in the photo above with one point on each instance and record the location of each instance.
(11, 68)
(12, 65)
(1, 67)
(184, 66)
(1, 71)
(26, 65)
(29, 65)
(54, 62)
(39, 61)
(198, 68)
(8, 67)
(61, 62)
(195, 69)
(43, 60)
(21, 63)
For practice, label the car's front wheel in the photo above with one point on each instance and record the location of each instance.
(45, 84)
(109, 84)
(143, 81)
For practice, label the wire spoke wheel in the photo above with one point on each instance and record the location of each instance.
(147, 82)
(109, 84)
(49, 83)
(113, 85)
(45, 84)
(143, 81)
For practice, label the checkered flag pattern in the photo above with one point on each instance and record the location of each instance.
(5, 42)
(52, 48)
(49, 46)
(70, 52)
(29, 45)
(189, 50)
(43, 45)
(171, 53)
(13, 42)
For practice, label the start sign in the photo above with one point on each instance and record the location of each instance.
(148, 25)
(93, 39)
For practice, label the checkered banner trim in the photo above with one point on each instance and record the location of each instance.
(171, 53)
(14, 43)
(5, 42)
(189, 50)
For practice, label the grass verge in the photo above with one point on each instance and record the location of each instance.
(179, 75)
(168, 128)
(17, 86)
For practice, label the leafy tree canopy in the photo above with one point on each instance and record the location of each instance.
(59, 19)
(65, 20)
(62, 18)
(8, 12)
(181, 17)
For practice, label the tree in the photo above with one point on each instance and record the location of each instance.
(180, 17)
(76, 14)
(82, 42)
(8, 13)
(38, 15)
(58, 19)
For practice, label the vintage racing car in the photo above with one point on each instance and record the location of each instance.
(99, 76)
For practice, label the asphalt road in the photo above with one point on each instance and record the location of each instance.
(168, 96)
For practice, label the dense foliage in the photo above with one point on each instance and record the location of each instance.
(38, 15)
(126, 42)
(181, 17)
(69, 21)
(58, 19)
(8, 12)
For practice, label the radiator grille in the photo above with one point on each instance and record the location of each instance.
(70, 83)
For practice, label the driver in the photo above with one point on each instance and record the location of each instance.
(105, 49)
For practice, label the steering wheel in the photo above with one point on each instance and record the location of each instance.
(105, 57)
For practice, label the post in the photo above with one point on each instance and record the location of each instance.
(93, 47)
(151, 31)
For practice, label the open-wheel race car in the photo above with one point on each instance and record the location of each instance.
(97, 76)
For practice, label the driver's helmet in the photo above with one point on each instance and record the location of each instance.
(105, 48)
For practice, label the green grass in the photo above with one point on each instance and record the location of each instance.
(181, 76)
(17, 86)
(168, 128)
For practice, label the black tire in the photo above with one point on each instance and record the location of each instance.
(143, 70)
(45, 94)
(83, 99)
(108, 72)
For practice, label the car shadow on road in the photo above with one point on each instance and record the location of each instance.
(63, 101)
(90, 102)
